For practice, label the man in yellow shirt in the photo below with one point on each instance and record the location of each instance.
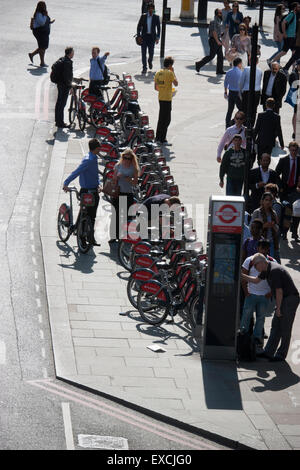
(163, 81)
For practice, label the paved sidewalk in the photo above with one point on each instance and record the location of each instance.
(100, 342)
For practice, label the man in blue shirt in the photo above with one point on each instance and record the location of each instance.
(245, 86)
(232, 82)
(88, 178)
(96, 71)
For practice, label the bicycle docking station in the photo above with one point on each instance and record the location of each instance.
(222, 293)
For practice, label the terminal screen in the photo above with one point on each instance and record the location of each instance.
(224, 268)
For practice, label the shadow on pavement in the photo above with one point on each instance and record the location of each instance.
(284, 376)
(37, 70)
(287, 252)
(221, 385)
(82, 263)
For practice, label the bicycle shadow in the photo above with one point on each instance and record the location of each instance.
(82, 262)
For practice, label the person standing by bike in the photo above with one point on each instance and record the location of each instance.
(62, 70)
(97, 71)
(88, 179)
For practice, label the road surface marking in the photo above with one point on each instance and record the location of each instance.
(89, 441)
(2, 353)
(128, 418)
(2, 92)
(68, 426)
(40, 318)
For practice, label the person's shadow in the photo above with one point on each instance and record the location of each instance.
(38, 71)
(284, 376)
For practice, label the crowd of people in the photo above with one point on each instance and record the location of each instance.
(266, 284)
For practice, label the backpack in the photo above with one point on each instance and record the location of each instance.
(56, 74)
(287, 25)
(246, 349)
(105, 73)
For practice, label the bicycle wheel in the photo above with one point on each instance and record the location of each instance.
(152, 309)
(133, 287)
(195, 312)
(84, 234)
(124, 251)
(63, 225)
(72, 110)
(81, 119)
(97, 118)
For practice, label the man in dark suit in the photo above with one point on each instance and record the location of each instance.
(288, 168)
(149, 29)
(266, 130)
(274, 86)
(258, 178)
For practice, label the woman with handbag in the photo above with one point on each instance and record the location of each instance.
(125, 177)
(241, 45)
(269, 218)
(40, 26)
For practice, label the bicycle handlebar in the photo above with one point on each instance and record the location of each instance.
(79, 80)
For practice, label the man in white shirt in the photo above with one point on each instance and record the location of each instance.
(257, 296)
(274, 86)
(245, 86)
(227, 140)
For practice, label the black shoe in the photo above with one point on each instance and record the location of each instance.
(95, 243)
(263, 354)
(197, 67)
(295, 236)
(144, 71)
(276, 359)
(258, 341)
(30, 57)
(221, 73)
(150, 65)
(63, 125)
(293, 135)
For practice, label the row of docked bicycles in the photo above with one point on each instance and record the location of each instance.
(167, 274)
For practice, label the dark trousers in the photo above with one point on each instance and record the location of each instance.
(62, 96)
(263, 148)
(293, 59)
(120, 214)
(164, 119)
(245, 95)
(214, 50)
(234, 186)
(233, 100)
(92, 211)
(281, 329)
(94, 87)
(148, 43)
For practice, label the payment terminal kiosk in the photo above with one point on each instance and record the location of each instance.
(225, 237)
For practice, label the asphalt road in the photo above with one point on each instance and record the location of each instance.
(36, 410)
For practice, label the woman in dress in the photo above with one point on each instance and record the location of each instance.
(41, 31)
(126, 176)
(234, 19)
(277, 34)
(241, 44)
(269, 218)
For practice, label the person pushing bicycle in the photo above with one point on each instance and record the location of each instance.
(88, 179)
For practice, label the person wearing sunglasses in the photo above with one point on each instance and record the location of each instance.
(126, 174)
(215, 44)
(227, 140)
(241, 45)
(233, 20)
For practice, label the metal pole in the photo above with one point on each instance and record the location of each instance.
(163, 30)
(261, 12)
(250, 110)
(202, 10)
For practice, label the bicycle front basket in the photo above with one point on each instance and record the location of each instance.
(87, 199)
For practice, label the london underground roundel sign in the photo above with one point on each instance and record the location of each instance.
(227, 213)
(227, 217)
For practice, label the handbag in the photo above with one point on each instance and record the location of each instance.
(138, 39)
(111, 189)
(31, 23)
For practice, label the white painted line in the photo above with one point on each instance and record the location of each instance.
(38, 302)
(36, 275)
(43, 353)
(45, 374)
(68, 426)
(33, 248)
(2, 353)
(42, 334)
(34, 261)
(31, 236)
(32, 214)
(102, 442)
(40, 318)
(37, 287)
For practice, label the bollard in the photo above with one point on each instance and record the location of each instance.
(187, 9)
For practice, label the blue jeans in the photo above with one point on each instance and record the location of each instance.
(260, 305)
(279, 45)
(234, 186)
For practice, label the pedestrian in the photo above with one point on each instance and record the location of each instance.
(40, 25)
(215, 44)
(231, 83)
(292, 96)
(249, 247)
(289, 32)
(149, 29)
(227, 140)
(287, 300)
(259, 178)
(126, 173)
(296, 51)
(241, 44)
(288, 169)
(274, 86)
(257, 296)
(88, 179)
(247, 21)
(267, 128)
(97, 65)
(163, 83)
(233, 166)
(277, 34)
(245, 86)
(64, 79)
(234, 19)
(145, 4)
(270, 223)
